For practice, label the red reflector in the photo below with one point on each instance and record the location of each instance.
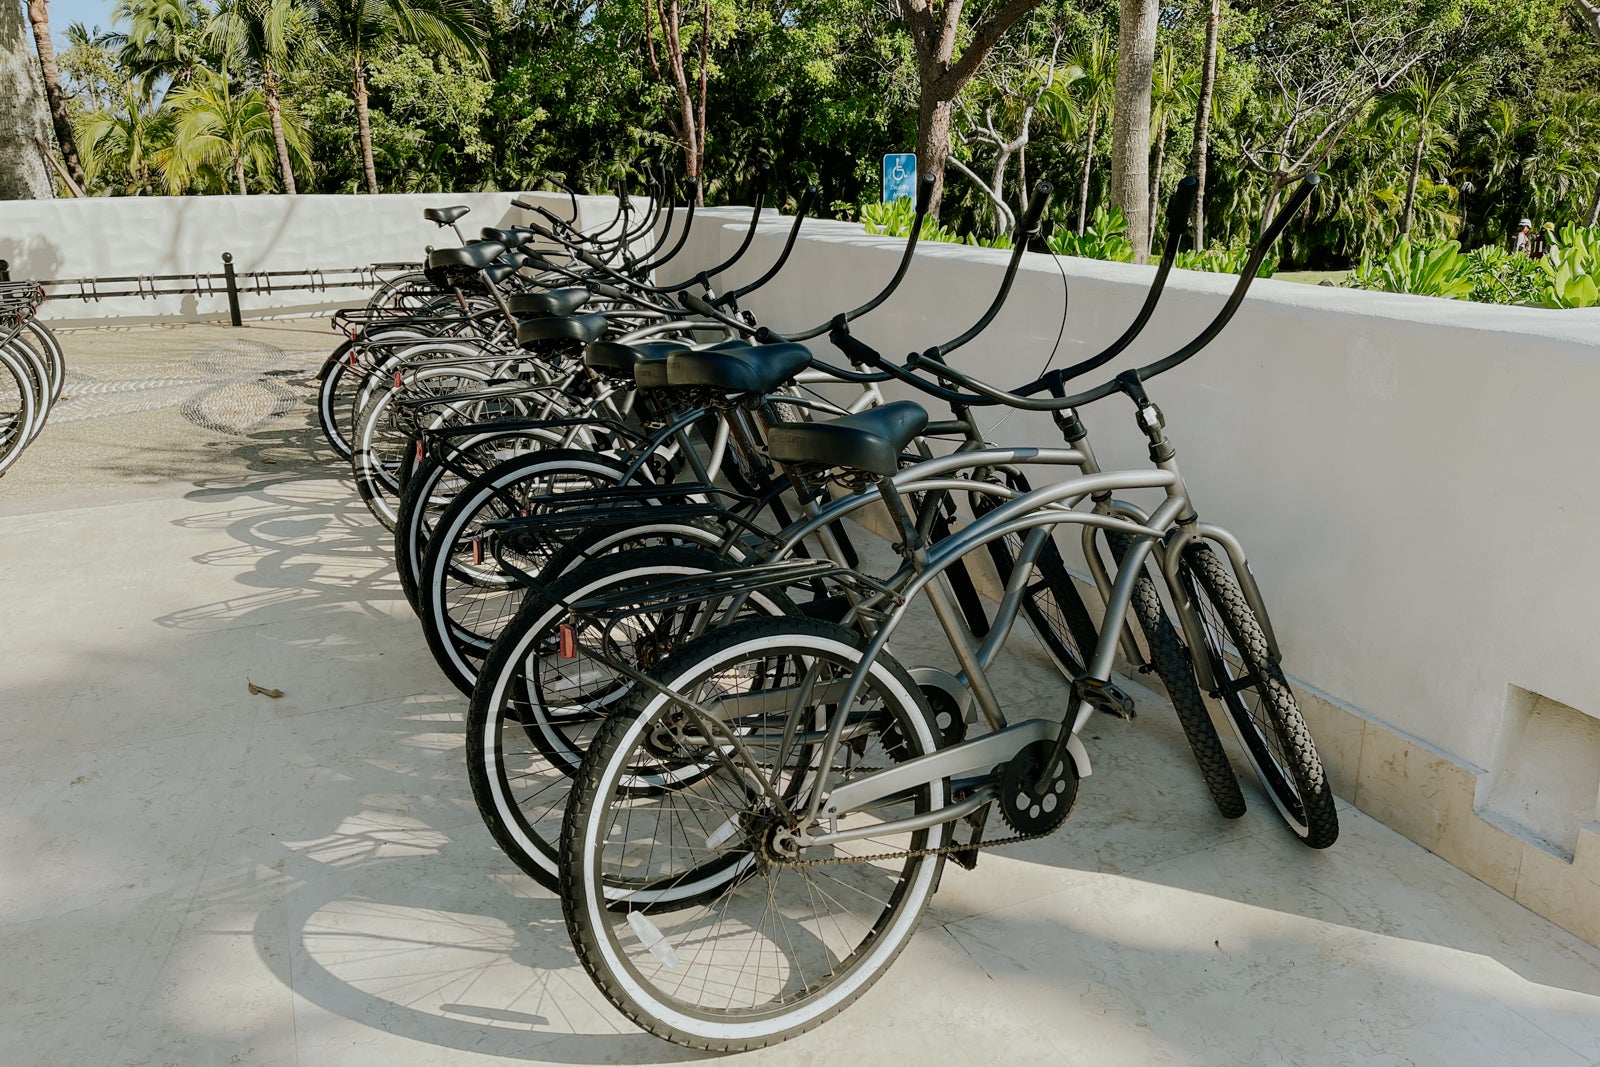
(477, 551)
(419, 450)
(569, 642)
(397, 382)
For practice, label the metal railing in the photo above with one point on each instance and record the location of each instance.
(226, 282)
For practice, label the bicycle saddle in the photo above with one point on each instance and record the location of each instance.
(475, 256)
(580, 328)
(515, 237)
(444, 216)
(870, 440)
(501, 269)
(620, 360)
(738, 367)
(551, 302)
(650, 369)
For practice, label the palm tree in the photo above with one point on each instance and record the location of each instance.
(122, 145)
(217, 125)
(165, 40)
(356, 30)
(257, 35)
(1428, 103)
(1172, 91)
(39, 15)
(1078, 100)
(23, 121)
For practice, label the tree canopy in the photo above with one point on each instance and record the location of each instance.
(1434, 119)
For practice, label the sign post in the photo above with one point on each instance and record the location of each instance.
(899, 176)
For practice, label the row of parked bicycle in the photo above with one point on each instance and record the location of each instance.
(624, 511)
(32, 370)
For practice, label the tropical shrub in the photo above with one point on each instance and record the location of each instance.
(1502, 277)
(1425, 268)
(1105, 237)
(1220, 260)
(894, 219)
(1572, 269)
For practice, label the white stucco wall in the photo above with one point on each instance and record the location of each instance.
(1415, 479)
(122, 236)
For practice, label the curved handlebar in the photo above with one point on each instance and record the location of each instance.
(1026, 229)
(804, 208)
(1021, 398)
(763, 173)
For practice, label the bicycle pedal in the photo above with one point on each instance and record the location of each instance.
(1104, 696)
(968, 857)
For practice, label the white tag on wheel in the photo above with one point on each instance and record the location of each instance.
(653, 939)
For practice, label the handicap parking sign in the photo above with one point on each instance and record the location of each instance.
(899, 176)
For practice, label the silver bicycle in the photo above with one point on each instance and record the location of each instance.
(751, 840)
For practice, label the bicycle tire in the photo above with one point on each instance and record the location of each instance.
(891, 894)
(1169, 659)
(1271, 730)
(460, 626)
(523, 805)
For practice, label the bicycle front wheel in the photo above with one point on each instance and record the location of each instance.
(1260, 705)
(682, 902)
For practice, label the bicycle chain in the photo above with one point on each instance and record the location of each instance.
(911, 853)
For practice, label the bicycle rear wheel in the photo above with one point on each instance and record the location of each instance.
(678, 901)
(534, 712)
(1259, 702)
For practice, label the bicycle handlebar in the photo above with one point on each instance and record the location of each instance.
(1059, 402)
(804, 208)
(1025, 232)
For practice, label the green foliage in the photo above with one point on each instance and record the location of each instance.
(1426, 268)
(1105, 237)
(1502, 277)
(1572, 269)
(1503, 100)
(1220, 260)
(894, 219)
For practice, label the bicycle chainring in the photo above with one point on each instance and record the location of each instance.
(1028, 809)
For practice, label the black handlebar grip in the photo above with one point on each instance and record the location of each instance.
(538, 262)
(696, 304)
(609, 292)
(591, 259)
(924, 194)
(1036, 206)
(1179, 207)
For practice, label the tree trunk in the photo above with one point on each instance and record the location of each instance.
(238, 175)
(39, 15)
(933, 143)
(1022, 176)
(364, 124)
(1130, 121)
(1083, 179)
(1155, 178)
(1594, 204)
(1202, 122)
(1411, 186)
(269, 85)
(23, 119)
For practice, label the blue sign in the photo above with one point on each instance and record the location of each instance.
(899, 176)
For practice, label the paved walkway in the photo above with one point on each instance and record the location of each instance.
(193, 875)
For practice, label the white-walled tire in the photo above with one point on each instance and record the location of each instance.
(740, 955)
(533, 712)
